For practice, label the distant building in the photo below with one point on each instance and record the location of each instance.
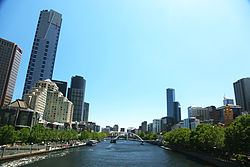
(10, 57)
(177, 112)
(198, 112)
(46, 99)
(150, 128)
(227, 101)
(144, 126)
(43, 54)
(242, 93)
(193, 123)
(178, 125)
(86, 112)
(106, 130)
(214, 114)
(170, 102)
(122, 130)
(97, 128)
(18, 114)
(166, 124)
(156, 126)
(76, 96)
(115, 128)
(62, 86)
(236, 111)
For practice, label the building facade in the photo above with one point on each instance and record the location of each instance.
(144, 126)
(170, 102)
(62, 86)
(43, 54)
(76, 96)
(86, 112)
(177, 112)
(156, 126)
(227, 101)
(242, 93)
(167, 123)
(10, 57)
(198, 112)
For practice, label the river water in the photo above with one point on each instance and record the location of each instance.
(124, 154)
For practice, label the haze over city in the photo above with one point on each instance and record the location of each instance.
(130, 52)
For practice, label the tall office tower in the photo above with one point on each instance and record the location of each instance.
(242, 93)
(156, 126)
(10, 57)
(86, 112)
(177, 112)
(170, 102)
(43, 54)
(144, 126)
(76, 96)
(227, 101)
(62, 85)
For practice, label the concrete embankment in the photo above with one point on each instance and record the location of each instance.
(37, 152)
(199, 155)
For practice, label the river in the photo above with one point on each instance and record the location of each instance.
(124, 154)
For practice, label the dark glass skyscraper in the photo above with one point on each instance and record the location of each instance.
(62, 85)
(86, 112)
(242, 93)
(43, 54)
(76, 96)
(170, 102)
(10, 57)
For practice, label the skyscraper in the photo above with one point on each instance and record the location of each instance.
(86, 112)
(43, 54)
(62, 85)
(144, 126)
(170, 102)
(242, 93)
(177, 112)
(10, 57)
(76, 96)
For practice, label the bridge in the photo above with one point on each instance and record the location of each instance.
(126, 135)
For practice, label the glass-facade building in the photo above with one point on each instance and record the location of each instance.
(242, 93)
(170, 102)
(10, 57)
(86, 112)
(43, 54)
(76, 96)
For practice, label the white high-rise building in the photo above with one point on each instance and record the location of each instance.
(156, 126)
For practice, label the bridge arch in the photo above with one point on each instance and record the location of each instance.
(126, 134)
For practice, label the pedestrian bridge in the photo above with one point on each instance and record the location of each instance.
(126, 135)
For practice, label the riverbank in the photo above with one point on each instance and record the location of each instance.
(44, 150)
(199, 155)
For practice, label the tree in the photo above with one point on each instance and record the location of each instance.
(7, 135)
(37, 133)
(178, 137)
(154, 136)
(24, 135)
(237, 135)
(204, 137)
(142, 135)
(85, 135)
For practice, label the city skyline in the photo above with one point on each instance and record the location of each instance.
(126, 76)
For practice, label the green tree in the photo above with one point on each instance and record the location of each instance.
(73, 134)
(7, 135)
(85, 135)
(178, 137)
(55, 135)
(24, 135)
(37, 133)
(153, 136)
(142, 135)
(237, 135)
(204, 137)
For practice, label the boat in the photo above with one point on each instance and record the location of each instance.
(91, 143)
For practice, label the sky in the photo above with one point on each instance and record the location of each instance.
(131, 51)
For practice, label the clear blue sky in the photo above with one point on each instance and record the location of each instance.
(130, 51)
